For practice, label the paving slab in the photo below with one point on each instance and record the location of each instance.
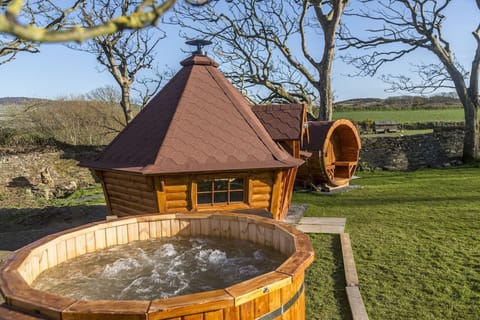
(318, 228)
(323, 221)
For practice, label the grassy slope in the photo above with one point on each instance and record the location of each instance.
(416, 241)
(403, 116)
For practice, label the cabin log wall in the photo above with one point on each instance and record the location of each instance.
(260, 187)
(288, 181)
(177, 195)
(128, 194)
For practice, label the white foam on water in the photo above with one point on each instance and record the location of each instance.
(217, 257)
(122, 265)
(154, 269)
(167, 250)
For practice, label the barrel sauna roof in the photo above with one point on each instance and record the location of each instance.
(282, 121)
(320, 131)
(197, 123)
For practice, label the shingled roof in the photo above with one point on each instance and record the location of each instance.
(197, 123)
(282, 121)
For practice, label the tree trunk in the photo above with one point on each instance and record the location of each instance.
(329, 23)
(125, 104)
(325, 92)
(471, 142)
(468, 97)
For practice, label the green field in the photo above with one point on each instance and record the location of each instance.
(416, 242)
(403, 116)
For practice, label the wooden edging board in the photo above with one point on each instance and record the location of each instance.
(357, 307)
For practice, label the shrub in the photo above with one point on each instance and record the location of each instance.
(71, 122)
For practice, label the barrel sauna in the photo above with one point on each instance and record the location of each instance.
(331, 154)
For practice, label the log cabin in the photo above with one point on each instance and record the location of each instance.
(196, 146)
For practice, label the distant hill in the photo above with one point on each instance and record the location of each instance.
(398, 103)
(19, 100)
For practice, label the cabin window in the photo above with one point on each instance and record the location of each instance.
(214, 191)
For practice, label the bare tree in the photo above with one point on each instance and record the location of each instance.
(10, 46)
(145, 13)
(399, 27)
(125, 53)
(269, 48)
(107, 94)
(23, 24)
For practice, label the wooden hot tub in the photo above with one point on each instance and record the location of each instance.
(333, 148)
(275, 295)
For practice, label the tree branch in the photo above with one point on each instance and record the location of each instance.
(146, 14)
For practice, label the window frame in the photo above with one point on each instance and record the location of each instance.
(213, 191)
(244, 204)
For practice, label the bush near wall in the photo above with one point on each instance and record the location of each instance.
(70, 122)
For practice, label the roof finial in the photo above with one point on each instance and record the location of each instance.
(199, 43)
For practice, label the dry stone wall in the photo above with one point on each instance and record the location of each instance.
(55, 173)
(439, 149)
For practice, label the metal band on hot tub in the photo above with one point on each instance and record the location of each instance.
(284, 308)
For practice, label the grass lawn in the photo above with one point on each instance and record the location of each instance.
(415, 238)
(403, 116)
(416, 242)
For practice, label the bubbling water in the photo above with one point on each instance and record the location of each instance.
(160, 268)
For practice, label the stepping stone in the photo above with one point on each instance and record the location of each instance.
(323, 221)
(318, 228)
(321, 225)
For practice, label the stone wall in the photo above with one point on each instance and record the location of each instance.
(439, 149)
(52, 172)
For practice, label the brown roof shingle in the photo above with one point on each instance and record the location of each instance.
(197, 123)
(282, 121)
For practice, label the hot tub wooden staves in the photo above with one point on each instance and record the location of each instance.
(279, 294)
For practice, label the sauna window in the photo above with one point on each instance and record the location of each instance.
(220, 191)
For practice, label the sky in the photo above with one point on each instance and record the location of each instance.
(58, 71)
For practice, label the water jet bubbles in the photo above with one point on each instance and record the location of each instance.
(153, 269)
(167, 250)
(258, 255)
(119, 267)
(248, 270)
(217, 257)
